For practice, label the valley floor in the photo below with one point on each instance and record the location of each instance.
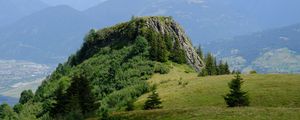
(186, 96)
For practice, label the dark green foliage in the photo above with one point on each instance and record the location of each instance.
(178, 54)
(141, 45)
(158, 50)
(223, 69)
(236, 97)
(203, 72)
(18, 107)
(226, 69)
(121, 98)
(165, 47)
(104, 113)
(73, 115)
(153, 101)
(58, 107)
(96, 40)
(7, 113)
(51, 83)
(211, 65)
(200, 52)
(235, 72)
(129, 105)
(78, 97)
(26, 95)
(117, 76)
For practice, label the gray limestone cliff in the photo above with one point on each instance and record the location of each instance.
(166, 25)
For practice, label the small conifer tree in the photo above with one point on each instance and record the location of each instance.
(200, 52)
(226, 68)
(178, 55)
(236, 97)
(153, 101)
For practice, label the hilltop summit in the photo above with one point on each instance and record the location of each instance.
(163, 29)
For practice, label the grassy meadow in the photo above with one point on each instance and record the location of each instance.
(187, 96)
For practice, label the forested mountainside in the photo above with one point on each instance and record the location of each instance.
(111, 69)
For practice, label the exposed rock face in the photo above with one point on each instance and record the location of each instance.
(166, 25)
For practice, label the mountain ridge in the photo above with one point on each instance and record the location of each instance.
(18, 9)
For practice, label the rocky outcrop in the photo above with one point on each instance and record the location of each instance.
(126, 32)
(166, 25)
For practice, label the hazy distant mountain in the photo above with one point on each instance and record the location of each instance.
(12, 10)
(269, 13)
(255, 48)
(52, 34)
(205, 20)
(77, 4)
(47, 36)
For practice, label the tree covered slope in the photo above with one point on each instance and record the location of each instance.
(111, 69)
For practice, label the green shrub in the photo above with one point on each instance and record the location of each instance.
(26, 95)
(140, 45)
(161, 68)
(18, 108)
(118, 99)
(7, 113)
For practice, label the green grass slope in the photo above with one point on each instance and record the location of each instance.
(186, 96)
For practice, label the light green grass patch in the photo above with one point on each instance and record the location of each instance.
(272, 96)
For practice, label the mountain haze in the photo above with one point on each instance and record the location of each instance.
(13, 10)
(44, 37)
(285, 39)
(77, 4)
